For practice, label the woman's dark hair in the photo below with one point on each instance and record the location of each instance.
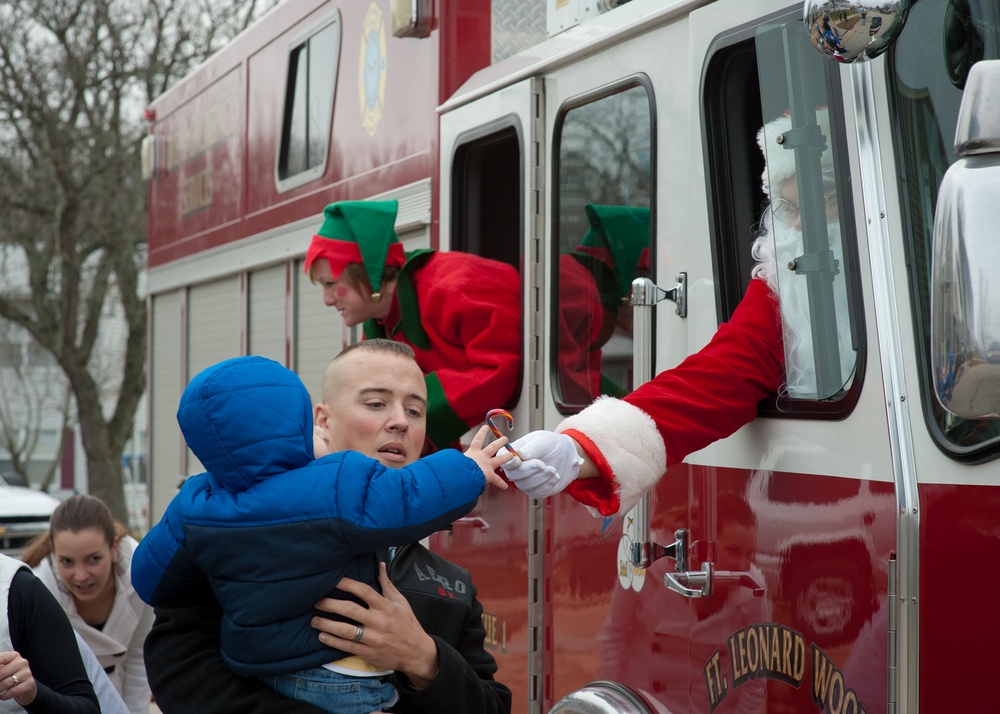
(75, 514)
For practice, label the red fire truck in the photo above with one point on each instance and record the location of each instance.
(834, 555)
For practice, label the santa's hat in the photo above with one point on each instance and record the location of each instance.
(358, 232)
(618, 238)
(780, 161)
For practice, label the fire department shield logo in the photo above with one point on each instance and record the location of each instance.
(372, 69)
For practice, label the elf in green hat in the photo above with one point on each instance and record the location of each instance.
(459, 312)
(595, 282)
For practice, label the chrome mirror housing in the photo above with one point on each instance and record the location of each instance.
(853, 32)
(965, 276)
(601, 698)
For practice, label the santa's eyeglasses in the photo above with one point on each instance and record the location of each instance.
(788, 212)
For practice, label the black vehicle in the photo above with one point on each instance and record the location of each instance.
(876, 25)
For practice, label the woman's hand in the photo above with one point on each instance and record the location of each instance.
(390, 635)
(16, 681)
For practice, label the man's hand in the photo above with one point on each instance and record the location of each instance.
(391, 637)
(490, 457)
(549, 463)
(321, 447)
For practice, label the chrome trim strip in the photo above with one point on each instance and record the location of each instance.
(540, 620)
(893, 377)
(893, 609)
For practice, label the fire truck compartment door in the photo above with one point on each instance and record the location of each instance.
(490, 203)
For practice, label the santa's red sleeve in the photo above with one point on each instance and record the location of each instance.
(707, 397)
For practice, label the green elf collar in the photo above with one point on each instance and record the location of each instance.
(408, 323)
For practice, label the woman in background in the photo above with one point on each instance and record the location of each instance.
(85, 559)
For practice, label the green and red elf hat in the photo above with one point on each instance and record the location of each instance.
(619, 238)
(358, 232)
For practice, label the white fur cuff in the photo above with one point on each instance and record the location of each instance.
(628, 439)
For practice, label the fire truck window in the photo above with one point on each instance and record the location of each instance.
(733, 116)
(802, 231)
(308, 111)
(487, 216)
(770, 76)
(928, 66)
(487, 209)
(604, 185)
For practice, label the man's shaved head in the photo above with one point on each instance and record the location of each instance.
(375, 402)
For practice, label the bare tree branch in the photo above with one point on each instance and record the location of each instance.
(74, 78)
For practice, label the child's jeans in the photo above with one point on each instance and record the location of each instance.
(335, 692)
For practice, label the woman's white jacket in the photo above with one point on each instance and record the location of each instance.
(118, 645)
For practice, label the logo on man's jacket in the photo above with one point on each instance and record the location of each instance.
(445, 586)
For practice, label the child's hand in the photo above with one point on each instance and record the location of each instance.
(490, 457)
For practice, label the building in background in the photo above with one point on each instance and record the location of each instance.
(37, 412)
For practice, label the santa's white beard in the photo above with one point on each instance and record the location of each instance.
(777, 245)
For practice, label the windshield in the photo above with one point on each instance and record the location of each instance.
(929, 64)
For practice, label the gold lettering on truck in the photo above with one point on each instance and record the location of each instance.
(196, 192)
(768, 650)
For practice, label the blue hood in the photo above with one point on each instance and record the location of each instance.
(246, 419)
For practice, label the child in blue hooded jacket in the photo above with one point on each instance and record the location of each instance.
(272, 531)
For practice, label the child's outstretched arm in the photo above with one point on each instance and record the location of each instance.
(490, 457)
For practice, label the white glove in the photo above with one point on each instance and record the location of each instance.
(548, 464)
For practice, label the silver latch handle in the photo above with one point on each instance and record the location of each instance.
(701, 580)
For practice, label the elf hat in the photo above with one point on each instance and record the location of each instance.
(779, 161)
(619, 238)
(358, 232)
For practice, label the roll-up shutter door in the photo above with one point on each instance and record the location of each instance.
(266, 318)
(166, 383)
(213, 315)
(318, 333)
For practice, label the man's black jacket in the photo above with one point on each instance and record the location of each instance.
(187, 674)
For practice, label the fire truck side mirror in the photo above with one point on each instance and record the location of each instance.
(965, 275)
(847, 32)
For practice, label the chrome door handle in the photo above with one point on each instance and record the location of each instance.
(472, 521)
(740, 578)
(700, 583)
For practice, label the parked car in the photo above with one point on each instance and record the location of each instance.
(876, 25)
(24, 513)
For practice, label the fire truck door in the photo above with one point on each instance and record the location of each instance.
(490, 178)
